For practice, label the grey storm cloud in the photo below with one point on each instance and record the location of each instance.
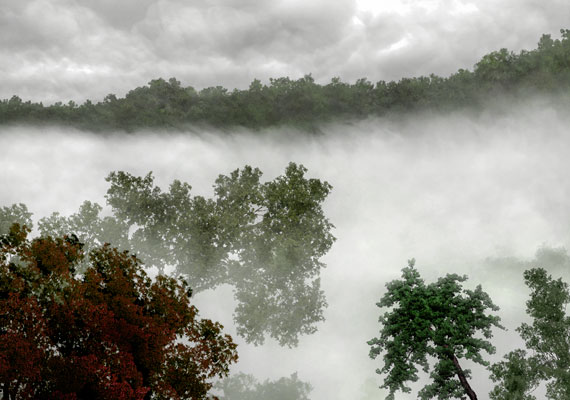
(76, 49)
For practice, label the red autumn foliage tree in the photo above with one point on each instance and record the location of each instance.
(105, 332)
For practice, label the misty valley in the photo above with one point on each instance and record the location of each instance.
(293, 240)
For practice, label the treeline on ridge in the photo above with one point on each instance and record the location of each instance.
(304, 103)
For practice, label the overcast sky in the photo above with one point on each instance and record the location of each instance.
(76, 49)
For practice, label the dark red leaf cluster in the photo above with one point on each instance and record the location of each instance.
(109, 332)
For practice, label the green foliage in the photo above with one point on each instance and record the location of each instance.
(15, 214)
(549, 339)
(440, 321)
(517, 376)
(264, 239)
(304, 103)
(245, 387)
(276, 276)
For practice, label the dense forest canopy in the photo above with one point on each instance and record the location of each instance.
(304, 103)
(264, 239)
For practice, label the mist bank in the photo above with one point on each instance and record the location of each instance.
(305, 104)
(467, 193)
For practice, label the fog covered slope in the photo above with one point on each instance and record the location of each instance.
(471, 194)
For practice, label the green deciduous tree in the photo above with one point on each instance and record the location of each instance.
(265, 239)
(15, 214)
(548, 338)
(441, 321)
(517, 376)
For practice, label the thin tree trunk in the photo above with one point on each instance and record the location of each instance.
(463, 379)
(6, 393)
(459, 371)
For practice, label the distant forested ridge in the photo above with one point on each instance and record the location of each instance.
(304, 103)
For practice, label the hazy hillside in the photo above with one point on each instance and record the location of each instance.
(167, 104)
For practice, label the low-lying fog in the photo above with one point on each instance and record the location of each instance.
(465, 194)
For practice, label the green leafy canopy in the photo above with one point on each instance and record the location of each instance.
(440, 321)
(547, 338)
(264, 239)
